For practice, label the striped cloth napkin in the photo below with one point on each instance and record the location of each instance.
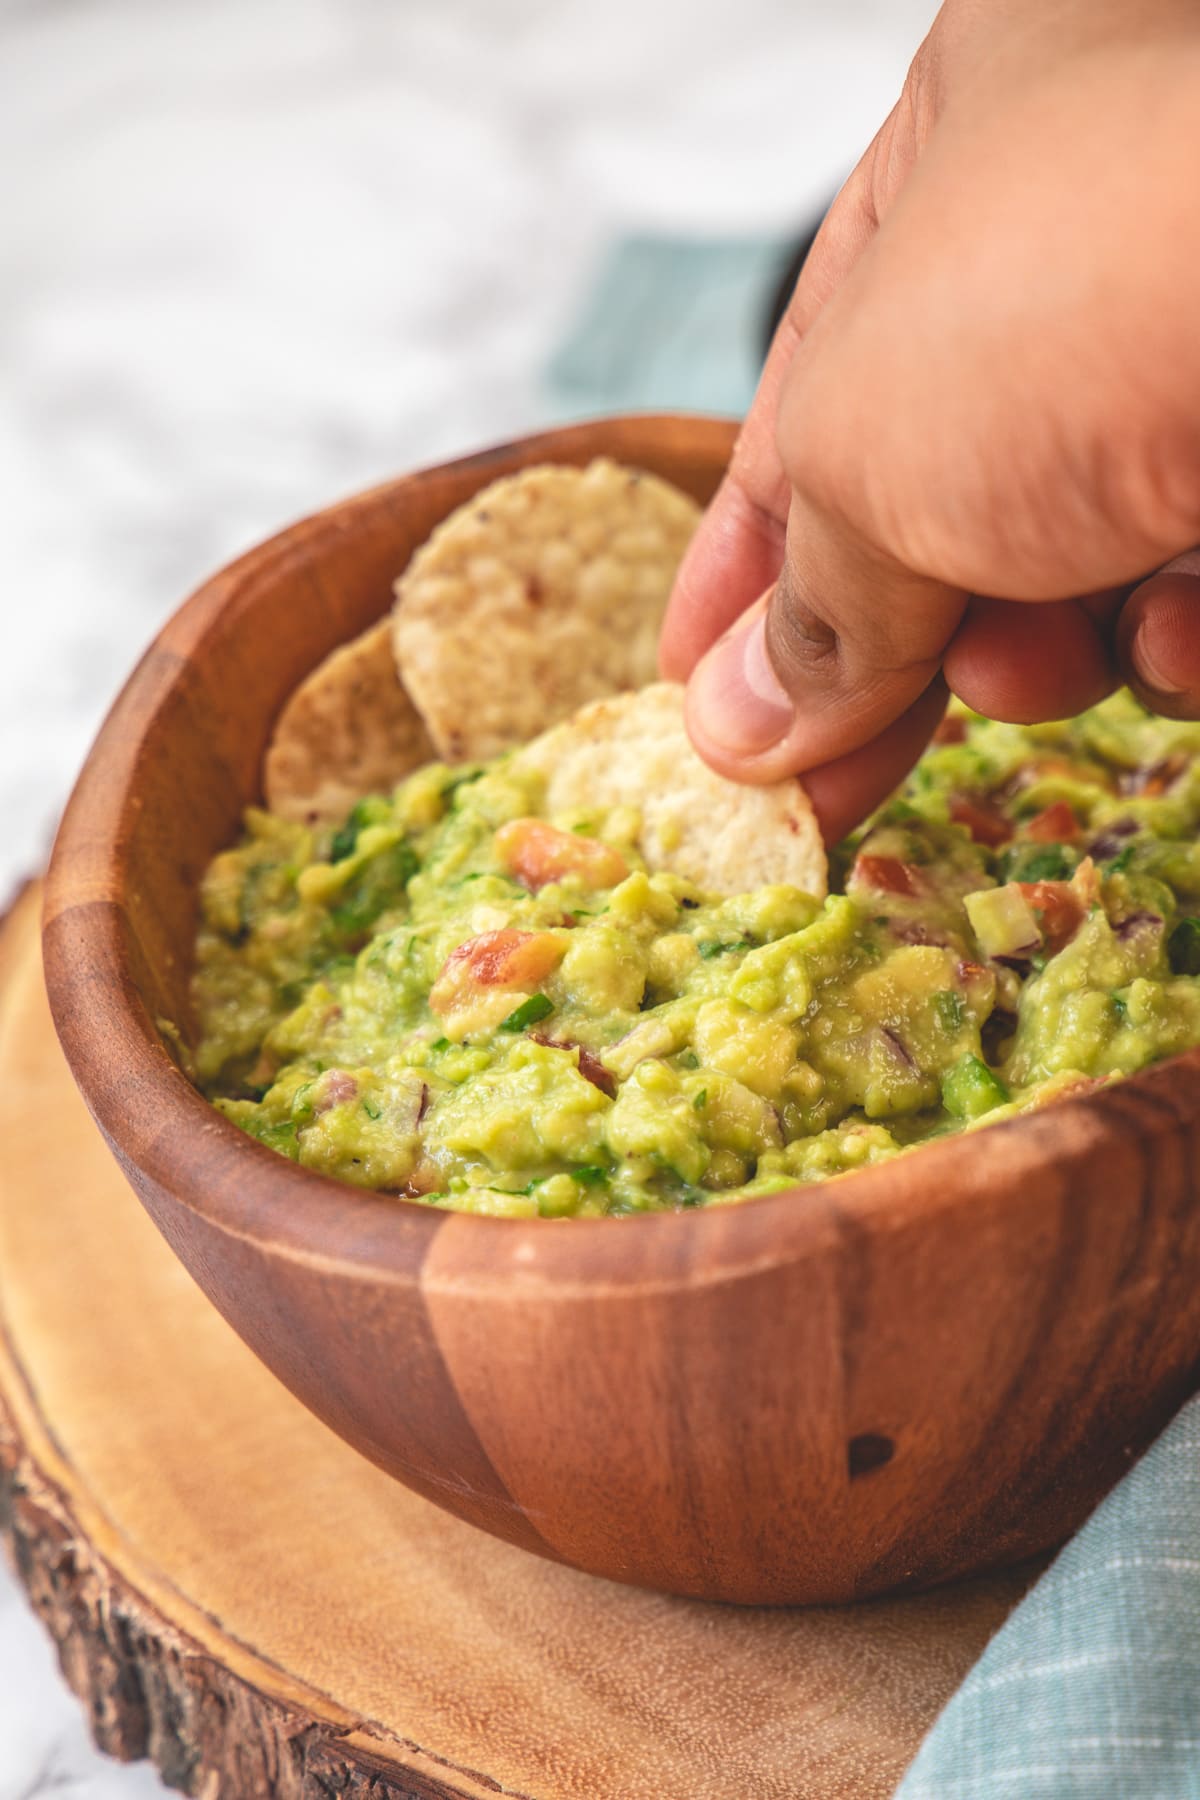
(1091, 1688)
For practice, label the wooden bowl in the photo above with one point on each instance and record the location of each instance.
(915, 1371)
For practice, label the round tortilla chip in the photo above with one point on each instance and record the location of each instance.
(348, 730)
(545, 591)
(634, 751)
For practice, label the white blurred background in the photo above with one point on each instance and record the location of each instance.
(257, 253)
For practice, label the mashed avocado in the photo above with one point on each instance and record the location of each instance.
(454, 999)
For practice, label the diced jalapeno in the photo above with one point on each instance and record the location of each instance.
(970, 1089)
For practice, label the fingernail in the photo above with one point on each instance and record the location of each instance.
(1154, 678)
(737, 696)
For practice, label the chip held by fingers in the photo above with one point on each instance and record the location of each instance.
(632, 750)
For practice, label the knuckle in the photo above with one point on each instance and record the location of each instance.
(801, 644)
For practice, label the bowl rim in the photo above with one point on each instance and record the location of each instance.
(198, 1157)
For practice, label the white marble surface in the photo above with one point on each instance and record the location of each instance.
(257, 253)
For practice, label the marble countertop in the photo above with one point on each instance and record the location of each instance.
(257, 254)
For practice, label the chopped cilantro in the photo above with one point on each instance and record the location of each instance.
(280, 1137)
(462, 778)
(379, 884)
(701, 1100)
(302, 1106)
(950, 1010)
(589, 1174)
(1049, 862)
(1120, 863)
(688, 1059)
(346, 836)
(717, 947)
(344, 840)
(370, 811)
(528, 1013)
(442, 1043)
(1120, 1009)
(372, 1111)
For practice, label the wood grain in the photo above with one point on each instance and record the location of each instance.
(238, 1595)
(921, 1370)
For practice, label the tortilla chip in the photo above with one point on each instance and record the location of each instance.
(545, 591)
(633, 751)
(348, 730)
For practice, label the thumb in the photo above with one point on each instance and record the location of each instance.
(1158, 639)
(843, 644)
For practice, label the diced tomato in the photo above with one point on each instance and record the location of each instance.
(496, 959)
(1086, 884)
(888, 874)
(1055, 824)
(1058, 909)
(537, 853)
(985, 825)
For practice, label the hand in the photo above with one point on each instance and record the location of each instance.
(978, 430)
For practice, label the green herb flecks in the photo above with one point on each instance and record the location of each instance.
(528, 1013)
(950, 1010)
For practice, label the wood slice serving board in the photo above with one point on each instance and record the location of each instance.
(237, 1595)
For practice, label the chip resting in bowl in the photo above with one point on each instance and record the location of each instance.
(545, 591)
(349, 729)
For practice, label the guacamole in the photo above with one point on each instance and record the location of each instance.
(454, 999)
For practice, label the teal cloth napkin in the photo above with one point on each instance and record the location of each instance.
(1091, 1690)
(669, 324)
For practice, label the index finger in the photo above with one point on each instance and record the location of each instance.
(738, 548)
